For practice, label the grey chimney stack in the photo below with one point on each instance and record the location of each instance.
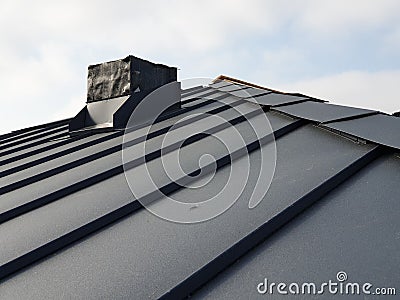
(115, 88)
(125, 77)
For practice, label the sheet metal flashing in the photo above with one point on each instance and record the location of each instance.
(381, 129)
(323, 112)
(277, 99)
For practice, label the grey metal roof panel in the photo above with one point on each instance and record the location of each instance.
(10, 155)
(214, 95)
(355, 225)
(54, 148)
(198, 93)
(276, 99)
(220, 83)
(7, 162)
(380, 129)
(11, 199)
(33, 129)
(232, 87)
(95, 143)
(32, 134)
(192, 89)
(249, 92)
(171, 252)
(33, 141)
(56, 190)
(38, 186)
(67, 215)
(322, 112)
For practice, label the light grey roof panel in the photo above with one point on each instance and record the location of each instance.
(220, 84)
(354, 229)
(198, 93)
(381, 129)
(249, 92)
(192, 89)
(322, 112)
(274, 99)
(147, 256)
(232, 87)
(216, 96)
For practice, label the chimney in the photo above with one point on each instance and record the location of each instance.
(116, 88)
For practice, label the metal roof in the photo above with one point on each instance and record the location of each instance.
(70, 226)
(323, 112)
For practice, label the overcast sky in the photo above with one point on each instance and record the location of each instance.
(347, 52)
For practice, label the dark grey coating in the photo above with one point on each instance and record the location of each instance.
(322, 112)
(90, 138)
(144, 256)
(36, 231)
(35, 134)
(42, 143)
(274, 99)
(381, 129)
(353, 229)
(68, 177)
(126, 76)
(29, 144)
(17, 134)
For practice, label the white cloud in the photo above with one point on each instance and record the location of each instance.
(47, 45)
(377, 90)
(344, 17)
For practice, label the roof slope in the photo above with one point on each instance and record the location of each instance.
(69, 196)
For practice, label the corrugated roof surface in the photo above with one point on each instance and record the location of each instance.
(69, 196)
